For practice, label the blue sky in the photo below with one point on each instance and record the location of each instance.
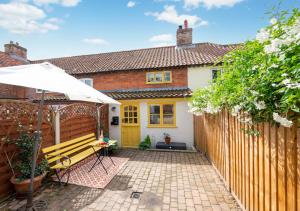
(56, 28)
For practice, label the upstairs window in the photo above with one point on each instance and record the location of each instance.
(159, 77)
(215, 74)
(87, 81)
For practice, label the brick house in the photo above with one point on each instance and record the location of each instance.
(13, 55)
(154, 86)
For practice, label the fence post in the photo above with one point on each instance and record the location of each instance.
(57, 127)
(98, 123)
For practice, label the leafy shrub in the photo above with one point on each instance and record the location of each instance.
(260, 80)
(146, 144)
(24, 159)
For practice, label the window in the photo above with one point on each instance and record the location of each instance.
(215, 74)
(159, 77)
(40, 91)
(130, 115)
(87, 81)
(162, 115)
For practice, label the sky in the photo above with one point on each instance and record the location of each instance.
(58, 28)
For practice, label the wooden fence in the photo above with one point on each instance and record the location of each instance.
(263, 171)
(76, 120)
(14, 115)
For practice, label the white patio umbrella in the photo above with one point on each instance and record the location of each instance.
(46, 76)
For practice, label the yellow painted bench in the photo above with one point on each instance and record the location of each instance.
(64, 155)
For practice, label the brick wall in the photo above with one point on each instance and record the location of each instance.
(8, 91)
(12, 92)
(135, 79)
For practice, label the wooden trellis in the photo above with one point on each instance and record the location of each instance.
(15, 117)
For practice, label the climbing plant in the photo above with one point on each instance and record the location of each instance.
(260, 80)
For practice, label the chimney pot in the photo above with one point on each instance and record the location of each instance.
(185, 24)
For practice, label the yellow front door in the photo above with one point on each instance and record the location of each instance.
(130, 125)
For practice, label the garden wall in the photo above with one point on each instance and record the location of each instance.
(262, 171)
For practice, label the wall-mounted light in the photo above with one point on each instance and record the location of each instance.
(113, 108)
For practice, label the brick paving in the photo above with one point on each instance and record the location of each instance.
(162, 180)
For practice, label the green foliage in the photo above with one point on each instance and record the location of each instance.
(146, 144)
(260, 80)
(24, 159)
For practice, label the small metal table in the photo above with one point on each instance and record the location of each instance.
(100, 154)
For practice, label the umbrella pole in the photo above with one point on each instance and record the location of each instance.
(37, 137)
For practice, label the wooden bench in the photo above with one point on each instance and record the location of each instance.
(63, 156)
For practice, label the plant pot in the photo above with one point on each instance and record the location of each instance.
(167, 140)
(22, 188)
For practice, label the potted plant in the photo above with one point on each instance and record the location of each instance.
(21, 166)
(167, 138)
(146, 144)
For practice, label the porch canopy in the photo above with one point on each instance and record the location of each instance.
(48, 77)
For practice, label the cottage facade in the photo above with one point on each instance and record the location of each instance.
(154, 86)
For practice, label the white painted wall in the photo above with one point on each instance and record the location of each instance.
(114, 130)
(199, 77)
(184, 132)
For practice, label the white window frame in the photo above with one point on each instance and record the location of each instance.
(87, 79)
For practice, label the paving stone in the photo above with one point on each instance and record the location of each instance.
(166, 180)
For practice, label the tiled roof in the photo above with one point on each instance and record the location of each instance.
(6, 60)
(151, 58)
(149, 93)
(177, 92)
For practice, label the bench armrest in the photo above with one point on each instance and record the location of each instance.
(65, 158)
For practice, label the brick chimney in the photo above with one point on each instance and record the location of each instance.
(184, 36)
(15, 50)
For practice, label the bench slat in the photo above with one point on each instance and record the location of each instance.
(60, 151)
(52, 159)
(76, 158)
(67, 143)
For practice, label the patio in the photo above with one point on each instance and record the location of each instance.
(165, 181)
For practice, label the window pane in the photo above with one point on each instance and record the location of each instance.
(167, 76)
(168, 119)
(126, 114)
(154, 109)
(88, 82)
(130, 114)
(168, 109)
(158, 77)
(150, 77)
(125, 120)
(154, 119)
(215, 74)
(130, 120)
(135, 120)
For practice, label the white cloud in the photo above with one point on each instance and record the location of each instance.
(170, 15)
(95, 41)
(162, 38)
(130, 4)
(65, 3)
(23, 18)
(210, 3)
